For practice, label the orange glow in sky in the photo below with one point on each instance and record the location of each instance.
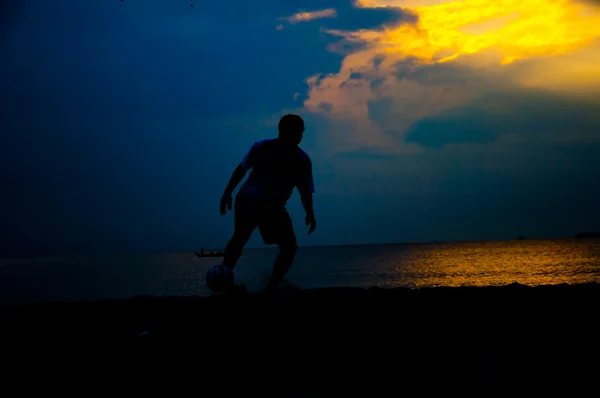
(517, 28)
(480, 46)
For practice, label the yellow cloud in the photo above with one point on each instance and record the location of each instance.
(532, 43)
(518, 29)
(456, 53)
(305, 16)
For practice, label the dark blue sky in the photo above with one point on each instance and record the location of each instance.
(121, 123)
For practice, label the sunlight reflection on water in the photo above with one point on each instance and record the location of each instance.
(530, 263)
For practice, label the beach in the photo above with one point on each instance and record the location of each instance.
(369, 321)
(341, 340)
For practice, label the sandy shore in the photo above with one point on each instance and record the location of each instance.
(330, 339)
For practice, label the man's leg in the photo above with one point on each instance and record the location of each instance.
(279, 229)
(244, 225)
(283, 262)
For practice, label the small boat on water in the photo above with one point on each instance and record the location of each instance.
(212, 253)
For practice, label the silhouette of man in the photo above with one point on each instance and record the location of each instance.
(278, 165)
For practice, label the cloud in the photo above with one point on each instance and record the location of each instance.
(454, 58)
(462, 94)
(306, 16)
(345, 15)
(519, 29)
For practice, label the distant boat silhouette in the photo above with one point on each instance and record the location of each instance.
(583, 235)
(520, 237)
(202, 253)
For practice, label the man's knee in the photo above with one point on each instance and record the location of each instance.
(236, 244)
(241, 235)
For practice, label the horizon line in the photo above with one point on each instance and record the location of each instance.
(267, 247)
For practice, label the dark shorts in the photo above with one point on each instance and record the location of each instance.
(273, 221)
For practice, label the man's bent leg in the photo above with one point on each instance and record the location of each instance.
(244, 225)
(233, 250)
(279, 229)
(283, 262)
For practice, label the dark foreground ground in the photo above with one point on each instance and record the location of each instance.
(329, 342)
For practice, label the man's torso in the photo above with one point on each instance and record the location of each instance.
(276, 170)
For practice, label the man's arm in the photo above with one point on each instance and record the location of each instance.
(306, 189)
(307, 202)
(236, 178)
(238, 175)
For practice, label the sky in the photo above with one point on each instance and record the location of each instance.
(122, 121)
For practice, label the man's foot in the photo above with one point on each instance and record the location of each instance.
(239, 287)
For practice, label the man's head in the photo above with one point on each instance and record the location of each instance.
(291, 128)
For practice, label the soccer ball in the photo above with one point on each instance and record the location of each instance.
(219, 278)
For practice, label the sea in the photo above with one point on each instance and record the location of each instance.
(417, 265)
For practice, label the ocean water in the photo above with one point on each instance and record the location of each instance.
(528, 262)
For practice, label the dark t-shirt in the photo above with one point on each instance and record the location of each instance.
(276, 169)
